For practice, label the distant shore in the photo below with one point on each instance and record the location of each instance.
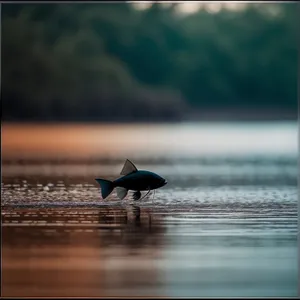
(199, 115)
(256, 114)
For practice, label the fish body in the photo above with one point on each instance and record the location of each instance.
(133, 179)
(141, 180)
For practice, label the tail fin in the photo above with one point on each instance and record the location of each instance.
(106, 187)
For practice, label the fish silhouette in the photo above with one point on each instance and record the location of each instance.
(133, 179)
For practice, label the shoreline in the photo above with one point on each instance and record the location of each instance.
(197, 115)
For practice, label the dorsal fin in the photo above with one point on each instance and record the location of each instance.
(128, 168)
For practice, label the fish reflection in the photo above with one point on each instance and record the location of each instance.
(138, 229)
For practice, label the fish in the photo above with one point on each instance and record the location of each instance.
(132, 179)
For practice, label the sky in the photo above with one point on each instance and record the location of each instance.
(193, 6)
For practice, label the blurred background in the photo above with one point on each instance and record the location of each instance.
(146, 62)
(204, 94)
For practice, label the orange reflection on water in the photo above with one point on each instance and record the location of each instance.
(79, 140)
(75, 261)
(148, 140)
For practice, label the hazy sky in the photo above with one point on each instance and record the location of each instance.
(192, 6)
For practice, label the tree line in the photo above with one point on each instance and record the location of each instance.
(113, 62)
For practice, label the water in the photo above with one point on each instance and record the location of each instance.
(224, 225)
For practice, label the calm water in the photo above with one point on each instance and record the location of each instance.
(224, 225)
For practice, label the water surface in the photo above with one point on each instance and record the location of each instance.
(224, 225)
